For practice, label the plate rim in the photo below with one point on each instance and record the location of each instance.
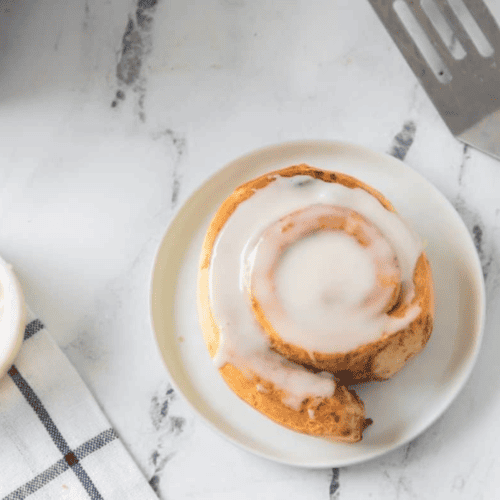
(315, 145)
(16, 314)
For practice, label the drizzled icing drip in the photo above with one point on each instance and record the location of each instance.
(242, 339)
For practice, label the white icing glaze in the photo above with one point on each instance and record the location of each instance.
(329, 292)
(242, 341)
(327, 272)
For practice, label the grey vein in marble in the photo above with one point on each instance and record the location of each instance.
(136, 45)
(178, 143)
(142, 14)
(335, 485)
(169, 427)
(465, 158)
(473, 221)
(129, 67)
(409, 449)
(477, 230)
(119, 96)
(403, 140)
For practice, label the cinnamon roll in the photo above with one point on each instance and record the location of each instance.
(309, 281)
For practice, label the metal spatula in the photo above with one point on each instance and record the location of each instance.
(453, 47)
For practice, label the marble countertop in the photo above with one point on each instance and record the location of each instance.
(113, 111)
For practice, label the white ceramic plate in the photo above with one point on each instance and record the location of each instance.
(12, 316)
(402, 407)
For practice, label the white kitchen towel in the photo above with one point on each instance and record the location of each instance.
(55, 442)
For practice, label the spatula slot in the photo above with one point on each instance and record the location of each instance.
(444, 29)
(422, 41)
(470, 25)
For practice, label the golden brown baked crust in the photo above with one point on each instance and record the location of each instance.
(342, 416)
